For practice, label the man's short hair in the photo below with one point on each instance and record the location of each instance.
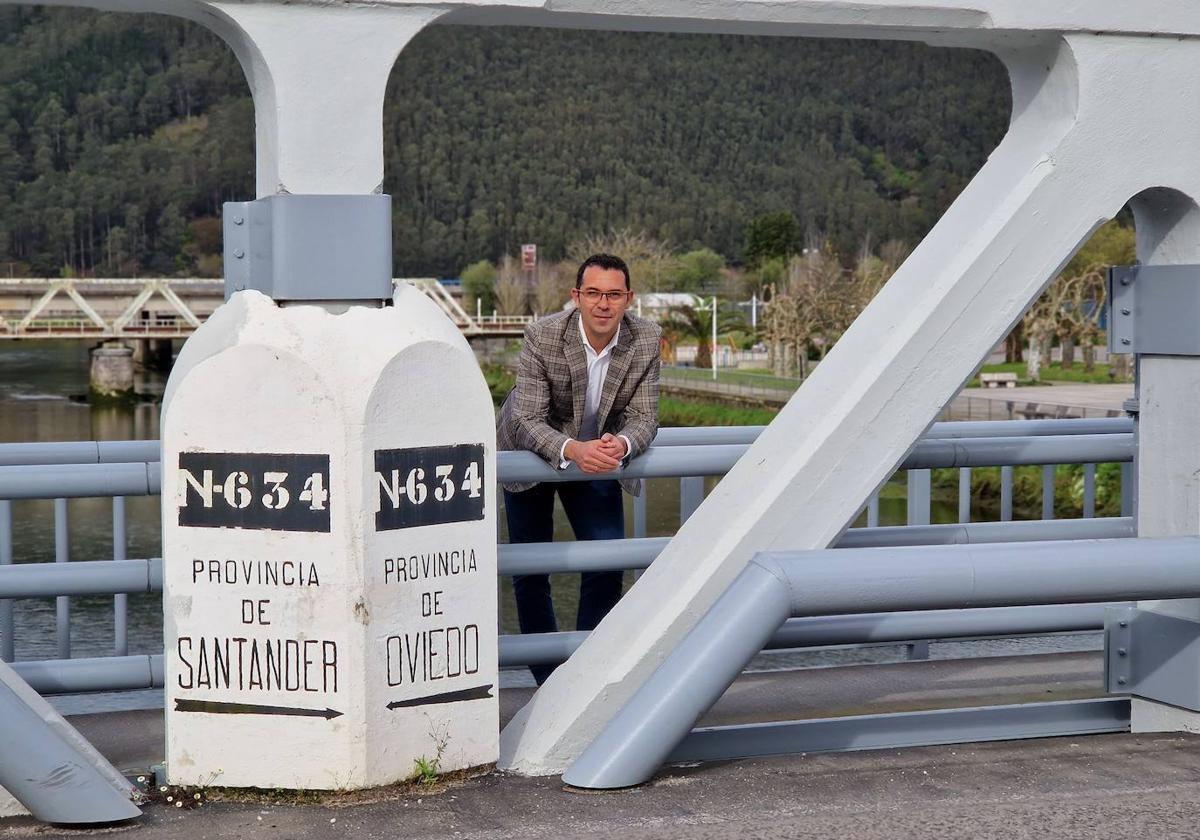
(605, 261)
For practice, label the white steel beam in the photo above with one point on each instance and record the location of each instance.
(1094, 123)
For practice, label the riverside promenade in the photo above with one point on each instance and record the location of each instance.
(1108, 785)
(1028, 402)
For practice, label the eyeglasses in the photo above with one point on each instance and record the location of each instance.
(593, 296)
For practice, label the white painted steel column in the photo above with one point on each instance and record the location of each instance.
(318, 74)
(1094, 123)
(1168, 428)
(328, 472)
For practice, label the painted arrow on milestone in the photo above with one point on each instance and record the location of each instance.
(479, 692)
(214, 707)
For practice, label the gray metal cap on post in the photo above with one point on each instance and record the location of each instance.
(310, 247)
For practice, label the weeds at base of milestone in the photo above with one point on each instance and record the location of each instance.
(184, 797)
(425, 771)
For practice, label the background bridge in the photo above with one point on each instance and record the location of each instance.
(166, 308)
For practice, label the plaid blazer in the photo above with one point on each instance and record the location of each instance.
(545, 408)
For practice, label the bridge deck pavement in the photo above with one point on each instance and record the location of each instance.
(1097, 786)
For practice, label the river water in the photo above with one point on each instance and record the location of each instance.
(41, 388)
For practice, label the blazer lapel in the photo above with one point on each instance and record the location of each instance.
(618, 366)
(577, 362)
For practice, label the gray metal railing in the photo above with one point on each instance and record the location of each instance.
(776, 586)
(68, 470)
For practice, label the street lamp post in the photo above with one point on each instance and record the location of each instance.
(714, 338)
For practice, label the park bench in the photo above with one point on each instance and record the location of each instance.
(997, 380)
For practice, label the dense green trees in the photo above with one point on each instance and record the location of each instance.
(121, 135)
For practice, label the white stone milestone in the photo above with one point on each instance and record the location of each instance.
(329, 544)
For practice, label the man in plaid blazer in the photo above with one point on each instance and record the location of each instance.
(586, 393)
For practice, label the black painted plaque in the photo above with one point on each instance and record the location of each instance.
(254, 490)
(429, 485)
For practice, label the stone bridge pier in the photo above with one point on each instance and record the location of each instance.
(110, 376)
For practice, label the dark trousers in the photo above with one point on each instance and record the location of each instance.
(596, 512)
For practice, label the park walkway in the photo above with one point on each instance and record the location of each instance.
(1068, 399)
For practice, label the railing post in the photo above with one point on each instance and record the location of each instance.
(873, 510)
(1128, 489)
(1089, 491)
(639, 511)
(120, 602)
(964, 494)
(1006, 494)
(62, 604)
(1048, 491)
(691, 495)
(7, 641)
(919, 488)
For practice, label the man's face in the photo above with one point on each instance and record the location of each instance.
(602, 299)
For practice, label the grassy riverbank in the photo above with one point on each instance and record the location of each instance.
(671, 411)
(1100, 375)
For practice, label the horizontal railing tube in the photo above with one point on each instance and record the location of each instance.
(1031, 428)
(988, 575)
(102, 673)
(716, 459)
(84, 577)
(79, 452)
(124, 451)
(61, 481)
(877, 628)
(639, 553)
(863, 629)
(1018, 451)
(704, 435)
(1108, 527)
(139, 478)
(656, 462)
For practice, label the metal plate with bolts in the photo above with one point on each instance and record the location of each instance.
(310, 247)
(1154, 309)
(1152, 655)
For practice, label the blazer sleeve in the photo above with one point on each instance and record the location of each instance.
(531, 404)
(639, 420)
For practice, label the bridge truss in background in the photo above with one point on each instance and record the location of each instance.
(106, 308)
(498, 326)
(159, 307)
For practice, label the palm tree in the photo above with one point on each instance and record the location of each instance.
(695, 321)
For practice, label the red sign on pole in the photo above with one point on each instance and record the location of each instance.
(529, 257)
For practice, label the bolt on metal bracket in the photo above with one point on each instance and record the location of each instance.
(1154, 309)
(1152, 655)
(310, 247)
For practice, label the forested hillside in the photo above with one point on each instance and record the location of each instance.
(120, 137)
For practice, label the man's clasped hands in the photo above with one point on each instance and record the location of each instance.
(596, 456)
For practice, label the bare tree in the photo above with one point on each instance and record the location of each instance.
(553, 288)
(1088, 299)
(512, 292)
(650, 261)
(1042, 323)
(819, 299)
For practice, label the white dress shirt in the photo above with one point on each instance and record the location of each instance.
(597, 372)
